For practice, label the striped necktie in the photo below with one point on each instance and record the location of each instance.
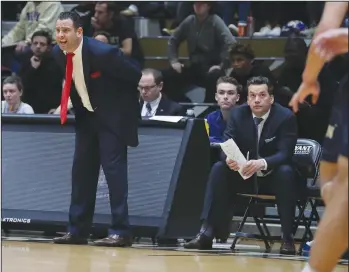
(148, 113)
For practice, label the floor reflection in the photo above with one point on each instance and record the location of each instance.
(47, 257)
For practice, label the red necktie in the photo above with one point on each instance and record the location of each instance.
(66, 89)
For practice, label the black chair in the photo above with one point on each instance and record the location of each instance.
(306, 158)
(314, 201)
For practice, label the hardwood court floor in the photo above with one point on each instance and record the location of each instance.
(47, 257)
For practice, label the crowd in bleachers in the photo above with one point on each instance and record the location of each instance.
(208, 28)
(218, 65)
(211, 32)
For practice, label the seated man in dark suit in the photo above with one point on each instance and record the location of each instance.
(227, 94)
(152, 101)
(273, 128)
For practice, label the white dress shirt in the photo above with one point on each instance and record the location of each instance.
(260, 129)
(78, 77)
(153, 104)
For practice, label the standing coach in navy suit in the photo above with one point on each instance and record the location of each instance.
(102, 85)
(268, 132)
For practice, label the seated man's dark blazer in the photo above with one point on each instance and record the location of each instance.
(167, 107)
(277, 140)
(111, 81)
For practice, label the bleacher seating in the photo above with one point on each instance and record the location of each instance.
(146, 27)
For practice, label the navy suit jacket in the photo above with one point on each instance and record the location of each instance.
(277, 140)
(167, 107)
(111, 81)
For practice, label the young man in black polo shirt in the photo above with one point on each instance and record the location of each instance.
(107, 18)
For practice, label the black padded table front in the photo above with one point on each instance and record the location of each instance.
(167, 175)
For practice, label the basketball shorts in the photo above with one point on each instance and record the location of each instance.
(336, 138)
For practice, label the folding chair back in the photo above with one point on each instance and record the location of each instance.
(307, 155)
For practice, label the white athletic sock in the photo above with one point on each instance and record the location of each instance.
(307, 268)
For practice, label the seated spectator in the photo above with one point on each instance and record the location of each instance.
(227, 95)
(69, 107)
(312, 120)
(107, 18)
(41, 75)
(241, 67)
(295, 52)
(85, 9)
(183, 10)
(228, 10)
(34, 16)
(12, 90)
(208, 40)
(131, 10)
(102, 36)
(269, 166)
(152, 101)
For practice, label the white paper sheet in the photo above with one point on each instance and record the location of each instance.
(171, 119)
(233, 152)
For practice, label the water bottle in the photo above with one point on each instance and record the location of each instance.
(250, 26)
(306, 249)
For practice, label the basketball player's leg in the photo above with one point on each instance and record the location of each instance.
(331, 237)
(331, 151)
(328, 171)
(336, 143)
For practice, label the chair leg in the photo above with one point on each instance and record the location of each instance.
(301, 217)
(268, 235)
(314, 217)
(264, 238)
(241, 225)
(314, 210)
(308, 235)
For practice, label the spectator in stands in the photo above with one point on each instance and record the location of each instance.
(107, 18)
(269, 166)
(34, 16)
(314, 10)
(152, 101)
(241, 67)
(102, 36)
(227, 95)
(85, 9)
(183, 10)
(131, 10)
(295, 52)
(228, 10)
(41, 76)
(12, 89)
(208, 40)
(312, 120)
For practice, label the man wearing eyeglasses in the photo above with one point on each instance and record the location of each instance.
(152, 101)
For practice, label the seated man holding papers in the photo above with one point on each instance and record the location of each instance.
(267, 169)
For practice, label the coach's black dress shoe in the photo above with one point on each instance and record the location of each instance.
(70, 239)
(201, 241)
(114, 240)
(288, 248)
